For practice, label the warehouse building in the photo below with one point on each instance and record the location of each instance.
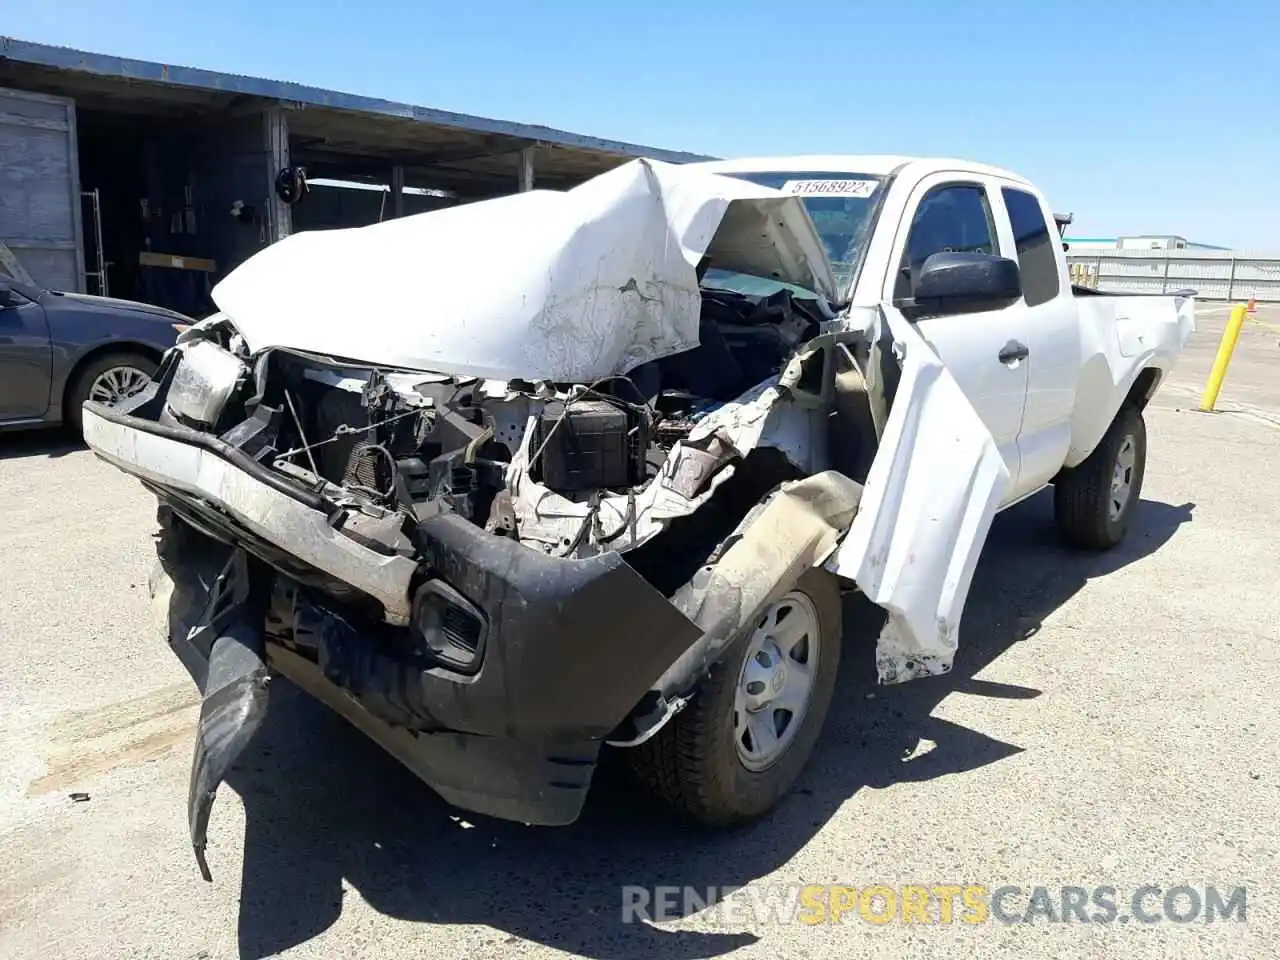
(1146, 241)
(149, 181)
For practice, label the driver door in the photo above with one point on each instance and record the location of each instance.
(984, 351)
(26, 357)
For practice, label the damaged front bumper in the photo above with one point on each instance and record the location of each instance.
(258, 503)
(568, 647)
(495, 671)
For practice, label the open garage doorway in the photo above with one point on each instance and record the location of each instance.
(158, 206)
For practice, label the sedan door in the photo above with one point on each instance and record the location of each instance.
(26, 358)
(984, 351)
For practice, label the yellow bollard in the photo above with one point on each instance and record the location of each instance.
(1225, 349)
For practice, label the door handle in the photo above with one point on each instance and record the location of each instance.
(1012, 352)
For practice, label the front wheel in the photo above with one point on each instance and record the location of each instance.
(1094, 502)
(740, 744)
(108, 379)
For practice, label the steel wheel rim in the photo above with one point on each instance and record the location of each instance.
(1122, 477)
(118, 383)
(776, 682)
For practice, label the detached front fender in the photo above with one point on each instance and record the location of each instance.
(935, 483)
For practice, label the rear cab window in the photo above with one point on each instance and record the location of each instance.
(1037, 257)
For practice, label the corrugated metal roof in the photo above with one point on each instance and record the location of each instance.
(144, 71)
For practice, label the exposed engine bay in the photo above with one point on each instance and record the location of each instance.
(570, 470)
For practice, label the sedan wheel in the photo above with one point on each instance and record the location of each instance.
(108, 379)
(118, 383)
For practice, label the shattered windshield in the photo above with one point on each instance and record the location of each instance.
(840, 205)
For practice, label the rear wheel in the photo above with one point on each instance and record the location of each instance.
(738, 747)
(1094, 502)
(108, 379)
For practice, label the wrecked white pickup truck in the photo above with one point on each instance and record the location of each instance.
(609, 490)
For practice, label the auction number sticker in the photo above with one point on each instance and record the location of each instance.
(830, 188)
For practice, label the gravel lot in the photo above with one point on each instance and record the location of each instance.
(1111, 720)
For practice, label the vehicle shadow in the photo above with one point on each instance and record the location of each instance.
(327, 812)
(52, 443)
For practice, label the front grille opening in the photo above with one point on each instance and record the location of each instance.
(461, 628)
(447, 628)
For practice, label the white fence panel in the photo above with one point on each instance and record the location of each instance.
(1214, 275)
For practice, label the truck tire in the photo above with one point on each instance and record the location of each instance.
(110, 377)
(1094, 502)
(707, 762)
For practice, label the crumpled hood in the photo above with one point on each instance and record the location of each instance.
(571, 286)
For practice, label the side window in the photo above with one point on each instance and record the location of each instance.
(950, 219)
(1037, 260)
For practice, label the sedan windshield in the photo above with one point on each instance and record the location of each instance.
(840, 205)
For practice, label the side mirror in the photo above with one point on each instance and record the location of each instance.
(966, 283)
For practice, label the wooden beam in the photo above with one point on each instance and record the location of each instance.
(275, 137)
(489, 147)
(35, 123)
(397, 191)
(526, 168)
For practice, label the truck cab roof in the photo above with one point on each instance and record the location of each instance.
(871, 164)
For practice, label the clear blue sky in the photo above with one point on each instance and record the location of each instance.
(1138, 115)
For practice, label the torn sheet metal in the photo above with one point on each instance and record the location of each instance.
(235, 699)
(933, 488)
(690, 475)
(569, 287)
(795, 530)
